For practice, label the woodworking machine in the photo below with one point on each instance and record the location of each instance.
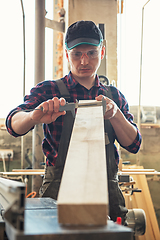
(36, 218)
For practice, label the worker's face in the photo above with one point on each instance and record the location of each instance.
(85, 60)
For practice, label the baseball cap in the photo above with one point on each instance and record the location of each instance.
(83, 32)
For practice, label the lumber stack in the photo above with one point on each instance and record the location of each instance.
(83, 192)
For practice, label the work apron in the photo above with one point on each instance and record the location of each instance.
(53, 175)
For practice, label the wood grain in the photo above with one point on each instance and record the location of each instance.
(83, 195)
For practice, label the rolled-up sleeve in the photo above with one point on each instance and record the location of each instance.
(135, 146)
(38, 94)
(8, 123)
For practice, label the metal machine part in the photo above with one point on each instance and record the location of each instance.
(41, 222)
(104, 79)
(12, 200)
(136, 219)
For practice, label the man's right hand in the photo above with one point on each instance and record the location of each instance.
(22, 122)
(50, 111)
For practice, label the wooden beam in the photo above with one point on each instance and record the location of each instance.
(138, 173)
(83, 195)
(138, 170)
(21, 173)
(28, 170)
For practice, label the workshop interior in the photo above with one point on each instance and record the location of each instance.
(23, 214)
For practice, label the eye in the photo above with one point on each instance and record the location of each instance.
(77, 54)
(92, 53)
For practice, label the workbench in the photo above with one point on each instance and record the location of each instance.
(41, 222)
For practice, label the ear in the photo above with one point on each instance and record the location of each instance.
(67, 55)
(102, 52)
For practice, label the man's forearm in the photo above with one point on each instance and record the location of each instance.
(21, 122)
(124, 130)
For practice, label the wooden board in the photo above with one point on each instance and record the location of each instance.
(28, 170)
(83, 192)
(21, 173)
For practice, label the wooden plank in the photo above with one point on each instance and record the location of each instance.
(83, 192)
(138, 170)
(150, 125)
(138, 173)
(21, 173)
(28, 170)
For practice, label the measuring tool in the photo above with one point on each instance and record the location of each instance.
(72, 106)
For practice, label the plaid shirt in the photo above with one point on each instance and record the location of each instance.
(52, 132)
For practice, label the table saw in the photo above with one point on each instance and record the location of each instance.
(36, 218)
(40, 222)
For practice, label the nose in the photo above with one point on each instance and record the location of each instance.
(84, 59)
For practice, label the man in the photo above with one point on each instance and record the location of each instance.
(84, 51)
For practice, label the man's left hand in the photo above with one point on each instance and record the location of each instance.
(111, 107)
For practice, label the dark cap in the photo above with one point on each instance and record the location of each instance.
(83, 32)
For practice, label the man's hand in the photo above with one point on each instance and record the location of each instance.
(124, 130)
(50, 111)
(111, 107)
(22, 122)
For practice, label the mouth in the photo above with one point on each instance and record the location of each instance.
(84, 69)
